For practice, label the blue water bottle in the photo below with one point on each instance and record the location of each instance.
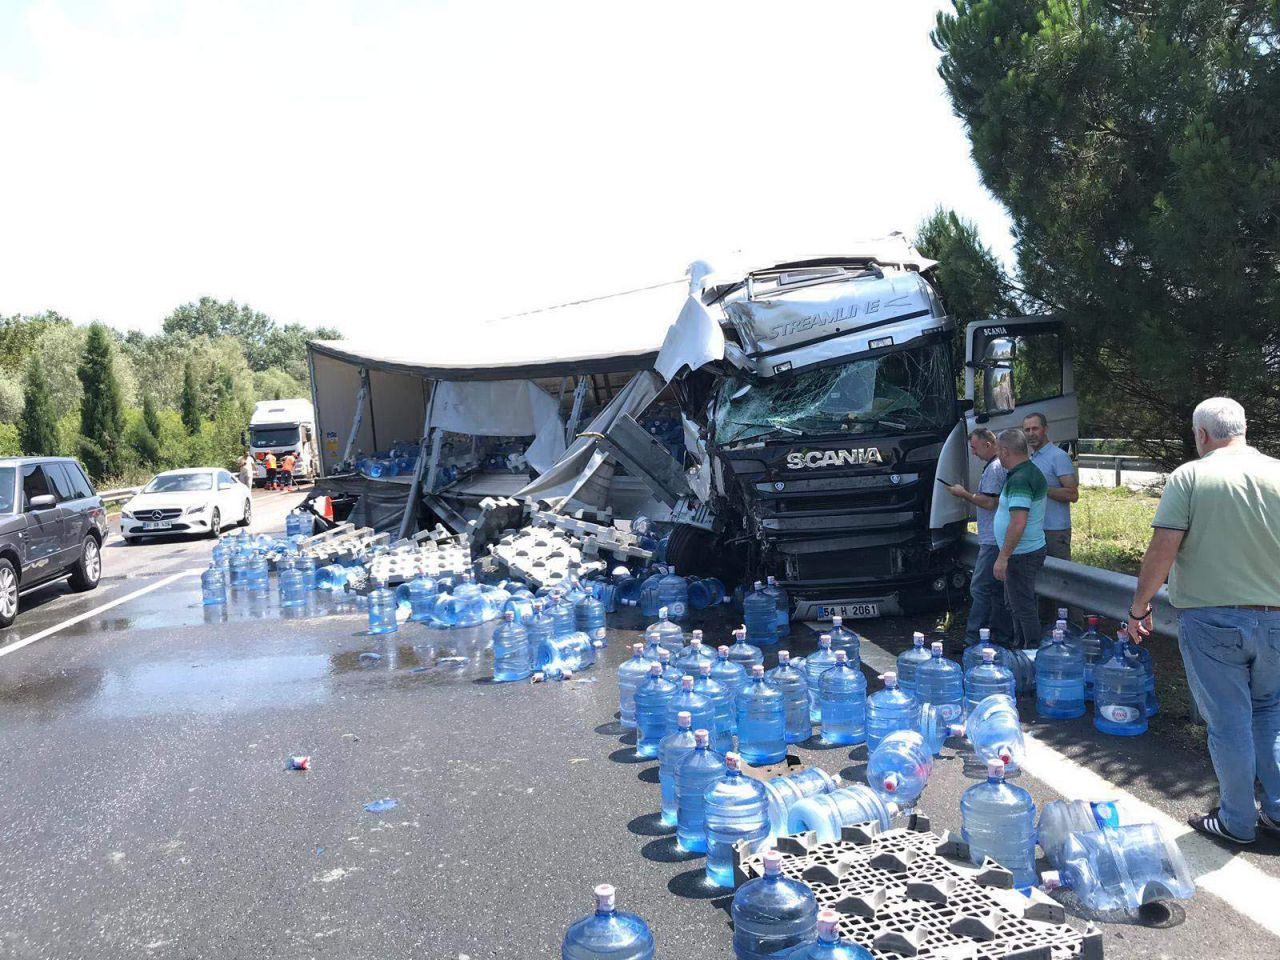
(1119, 692)
(562, 615)
(1059, 680)
(847, 640)
(701, 708)
(631, 674)
(732, 675)
(745, 654)
(829, 945)
(1096, 647)
(422, 595)
(987, 679)
(786, 791)
(589, 616)
(940, 682)
(994, 731)
(815, 665)
(510, 651)
(909, 661)
(889, 710)
(609, 934)
(761, 721)
(998, 820)
(736, 810)
(257, 577)
(293, 587)
(842, 703)
(694, 775)
(760, 613)
(673, 595)
(382, 610)
(691, 658)
(899, 767)
(722, 705)
(672, 750)
(652, 698)
(795, 694)
(827, 814)
(772, 914)
(782, 606)
(668, 634)
(213, 586)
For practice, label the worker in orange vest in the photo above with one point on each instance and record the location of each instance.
(270, 463)
(286, 470)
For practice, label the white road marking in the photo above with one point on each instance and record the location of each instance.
(49, 631)
(1244, 888)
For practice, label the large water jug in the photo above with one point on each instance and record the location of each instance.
(293, 588)
(1096, 647)
(382, 610)
(785, 792)
(520, 603)
(668, 668)
(850, 641)
(998, 820)
(652, 698)
(722, 705)
(668, 634)
(795, 694)
(890, 710)
(511, 651)
(573, 594)
(827, 814)
(213, 586)
(561, 613)
(589, 616)
(760, 616)
(842, 703)
(673, 593)
(694, 775)
(609, 934)
(688, 699)
(1122, 868)
(1059, 679)
(627, 590)
(732, 675)
(909, 661)
(941, 683)
(829, 945)
(1151, 705)
(291, 524)
(772, 914)
(257, 577)
(562, 656)
(762, 721)
(1119, 692)
(672, 750)
(540, 628)
(307, 566)
(899, 768)
(648, 598)
(422, 597)
(494, 597)
(933, 727)
(744, 654)
(736, 811)
(332, 577)
(221, 551)
(631, 674)
(987, 679)
(692, 657)
(707, 592)
(782, 606)
(994, 731)
(1020, 663)
(815, 665)
(1061, 818)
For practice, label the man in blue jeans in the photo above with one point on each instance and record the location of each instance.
(1217, 537)
(988, 608)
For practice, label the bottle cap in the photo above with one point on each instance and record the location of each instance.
(684, 719)
(891, 781)
(662, 613)
(936, 647)
(1092, 619)
(740, 633)
(722, 650)
(733, 762)
(1005, 754)
(655, 670)
(1051, 880)
(686, 682)
(984, 634)
(890, 678)
(828, 925)
(988, 655)
(772, 863)
(784, 656)
(837, 620)
(842, 656)
(509, 616)
(664, 655)
(701, 737)
(759, 585)
(917, 638)
(637, 648)
(824, 640)
(757, 670)
(605, 896)
(995, 768)
(697, 637)
(704, 668)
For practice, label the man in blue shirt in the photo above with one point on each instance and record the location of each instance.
(988, 608)
(1064, 487)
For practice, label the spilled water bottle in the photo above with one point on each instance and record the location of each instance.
(511, 651)
(687, 699)
(520, 603)
(829, 945)
(256, 577)
(382, 610)
(668, 635)
(691, 658)
(559, 656)
(795, 694)
(608, 934)
(562, 615)
(785, 792)
(707, 592)
(890, 710)
(762, 721)
(331, 578)
(772, 914)
(652, 698)
(213, 586)
(899, 768)
(539, 628)
(1119, 692)
(736, 811)
(673, 595)
(940, 682)
(668, 668)
(994, 731)
(909, 661)
(842, 703)
(694, 775)
(782, 607)
(847, 640)
(998, 820)
(760, 616)
(815, 665)
(987, 679)
(589, 617)
(1096, 647)
(631, 674)
(827, 814)
(1061, 818)
(1059, 679)
(293, 588)
(732, 675)
(672, 750)
(722, 706)
(745, 654)
(422, 597)
(1122, 868)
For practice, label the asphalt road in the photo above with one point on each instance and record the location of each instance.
(150, 814)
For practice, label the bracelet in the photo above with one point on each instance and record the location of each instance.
(1134, 616)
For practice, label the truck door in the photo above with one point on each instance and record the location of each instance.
(1017, 367)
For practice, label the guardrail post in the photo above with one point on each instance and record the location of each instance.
(1119, 471)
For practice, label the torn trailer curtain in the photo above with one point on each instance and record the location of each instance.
(503, 408)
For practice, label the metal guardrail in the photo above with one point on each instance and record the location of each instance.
(1117, 464)
(115, 496)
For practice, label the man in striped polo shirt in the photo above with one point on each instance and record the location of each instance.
(1019, 529)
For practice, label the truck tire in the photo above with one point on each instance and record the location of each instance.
(695, 552)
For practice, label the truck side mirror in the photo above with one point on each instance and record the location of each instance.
(1000, 349)
(997, 389)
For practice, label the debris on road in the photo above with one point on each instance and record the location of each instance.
(381, 806)
(299, 763)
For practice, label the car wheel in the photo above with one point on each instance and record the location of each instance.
(248, 513)
(8, 593)
(88, 569)
(215, 523)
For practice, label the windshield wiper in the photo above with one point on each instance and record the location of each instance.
(769, 430)
(878, 421)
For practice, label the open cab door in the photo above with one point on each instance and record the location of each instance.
(1017, 367)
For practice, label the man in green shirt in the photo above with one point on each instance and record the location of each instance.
(1019, 530)
(1217, 538)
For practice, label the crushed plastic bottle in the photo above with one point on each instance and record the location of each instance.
(1059, 679)
(850, 641)
(1122, 868)
(994, 731)
(382, 610)
(1061, 818)
(890, 710)
(1096, 647)
(746, 655)
(511, 651)
(782, 607)
(795, 692)
(631, 674)
(694, 775)
(762, 721)
(561, 656)
(785, 792)
(1119, 706)
(652, 698)
(688, 699)
(608, 934)
(736, 811)
(909, 661)
(829, 945)
(827, 814)
(940, 682)
(842, 702)
(815, 665)
(987, 679)
(672, 750)
(998, 820)
(213, 586)
(722, 705)
(772, 914)
(760, 613)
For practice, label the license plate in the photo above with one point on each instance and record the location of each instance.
(850, 611)
(157, 524)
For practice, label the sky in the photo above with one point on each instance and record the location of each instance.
(387, 168)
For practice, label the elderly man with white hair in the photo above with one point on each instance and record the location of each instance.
(1217, 538)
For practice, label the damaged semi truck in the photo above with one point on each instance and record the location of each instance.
(826, 404)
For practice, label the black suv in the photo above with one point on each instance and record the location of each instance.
(52, 525)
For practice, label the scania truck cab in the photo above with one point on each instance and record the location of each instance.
(839, 404)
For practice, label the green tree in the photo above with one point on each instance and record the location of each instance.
(38, 428)
(144, 434)
(102, 407)
(1134, 147)
(190, 403)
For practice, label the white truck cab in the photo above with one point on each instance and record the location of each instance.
(281, 427)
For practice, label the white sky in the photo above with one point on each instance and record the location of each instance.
(384, 166)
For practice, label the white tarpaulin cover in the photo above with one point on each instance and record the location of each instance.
(503, 408)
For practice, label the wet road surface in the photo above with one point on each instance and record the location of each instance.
(150, 814)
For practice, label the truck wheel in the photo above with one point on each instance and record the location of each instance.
(696, 552)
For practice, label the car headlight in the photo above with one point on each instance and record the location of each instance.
(126, 514)
(197, 509)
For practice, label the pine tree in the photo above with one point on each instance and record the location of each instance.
(190, 401)
(150, 417)
(102, 409)
(38, 429)
(144, 437)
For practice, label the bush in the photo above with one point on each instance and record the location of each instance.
(9, 445)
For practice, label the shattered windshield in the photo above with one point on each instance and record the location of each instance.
(906, 390)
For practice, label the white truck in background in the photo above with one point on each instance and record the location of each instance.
(281, 427)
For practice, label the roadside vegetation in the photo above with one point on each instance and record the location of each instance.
(1110, 527)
